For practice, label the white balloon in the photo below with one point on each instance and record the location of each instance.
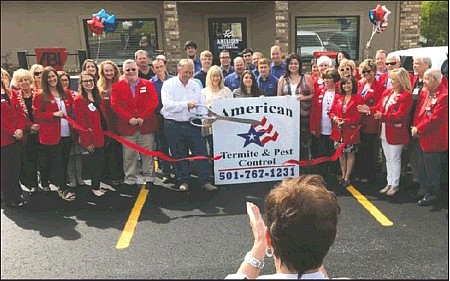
(127, 24)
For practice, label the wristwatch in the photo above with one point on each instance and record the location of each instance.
(254, 262)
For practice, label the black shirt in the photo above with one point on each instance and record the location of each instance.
(147, 76)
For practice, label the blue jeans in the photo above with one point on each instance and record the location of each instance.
(182, 137)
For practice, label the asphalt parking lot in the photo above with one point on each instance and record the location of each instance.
(163, 234)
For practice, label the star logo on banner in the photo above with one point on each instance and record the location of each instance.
(252, 136)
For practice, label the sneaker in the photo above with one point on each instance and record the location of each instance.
(98, 192)
(385, 189)
(209, 187)
(392, 190)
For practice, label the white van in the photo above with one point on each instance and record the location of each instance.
(438, 56)
(307, 43)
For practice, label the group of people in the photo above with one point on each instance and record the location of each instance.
(341, 107)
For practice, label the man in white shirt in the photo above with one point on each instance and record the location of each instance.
(180, 97)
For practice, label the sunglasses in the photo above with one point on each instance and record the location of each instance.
(345, 69)
(37, 73)
(130, 69)
(366, 71)
(391, 63)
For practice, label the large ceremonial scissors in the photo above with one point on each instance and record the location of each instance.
(213, 117)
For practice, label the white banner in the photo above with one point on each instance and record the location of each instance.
(256, 153)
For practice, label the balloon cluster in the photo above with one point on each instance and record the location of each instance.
(102, 22)
(130, 25)
(379, 17)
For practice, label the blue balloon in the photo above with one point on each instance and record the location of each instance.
(102, 14)
(372, 17)
(110, 24)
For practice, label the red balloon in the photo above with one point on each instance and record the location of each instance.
(378, 13)
(95, 25)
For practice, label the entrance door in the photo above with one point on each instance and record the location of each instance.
(227, 34)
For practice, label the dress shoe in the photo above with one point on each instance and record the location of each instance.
(209, 187)
(427, 200)
(385, 189)
(392, 190)
(149, 185)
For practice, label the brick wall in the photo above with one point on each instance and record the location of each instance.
(172, 35)
(282, 25)
(410, 24)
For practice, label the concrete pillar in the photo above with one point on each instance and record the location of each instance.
(171, 28)
(282, 25)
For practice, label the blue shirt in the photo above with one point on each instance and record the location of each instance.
(251, 67)
(201, 75)
(232, 81)
(158, 85)
(278, 70)
(226, 73)
(269, 85)
(255, 72)
(197, 65)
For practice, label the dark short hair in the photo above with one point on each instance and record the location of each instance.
(354, 84)
(247, 50)
(301, 217)
(190, 44)
(332, 73)
(288, 61)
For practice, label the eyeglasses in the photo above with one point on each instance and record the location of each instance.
(130, 69)
(391, 63)
(37, 73)
(345, 69)
(224, 57)
(366, 71)
(88, 81)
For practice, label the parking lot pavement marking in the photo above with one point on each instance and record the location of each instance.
(379, 216)
(128, 231)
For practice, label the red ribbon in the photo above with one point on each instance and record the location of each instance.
(323, 158)
(142, 150)
(162, 156)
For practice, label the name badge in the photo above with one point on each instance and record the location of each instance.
(91, 107)
(3, 100)
(143, 90)
(415, 91)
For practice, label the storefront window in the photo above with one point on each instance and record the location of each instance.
(327, 34)
(130, 36)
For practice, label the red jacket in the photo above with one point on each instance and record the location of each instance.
(315, 117)
(396, 116)
(12, 119)
(109, 114)
(431, 121)
(126, 106)
(351, 117)
(49, 126)
(371, 98)
(88, 117)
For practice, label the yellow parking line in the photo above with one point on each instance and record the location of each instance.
(128, 231)
(382, 219)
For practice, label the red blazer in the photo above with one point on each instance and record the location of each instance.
(396, 117)
(109, 114)
(351, 116)
(142, 106)
(369, 124)
(315, 116)
(12, 119)
(49, 126)
(88, 117)
(431, 121)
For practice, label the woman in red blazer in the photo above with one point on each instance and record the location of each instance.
(113, 172)
(49, 108)
(369, 90)
(12, 127)
(88, 109)
(430, 125)
(393, 112)
(346, 119)
(320, 122)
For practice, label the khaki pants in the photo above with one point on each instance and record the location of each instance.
(130, 161)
